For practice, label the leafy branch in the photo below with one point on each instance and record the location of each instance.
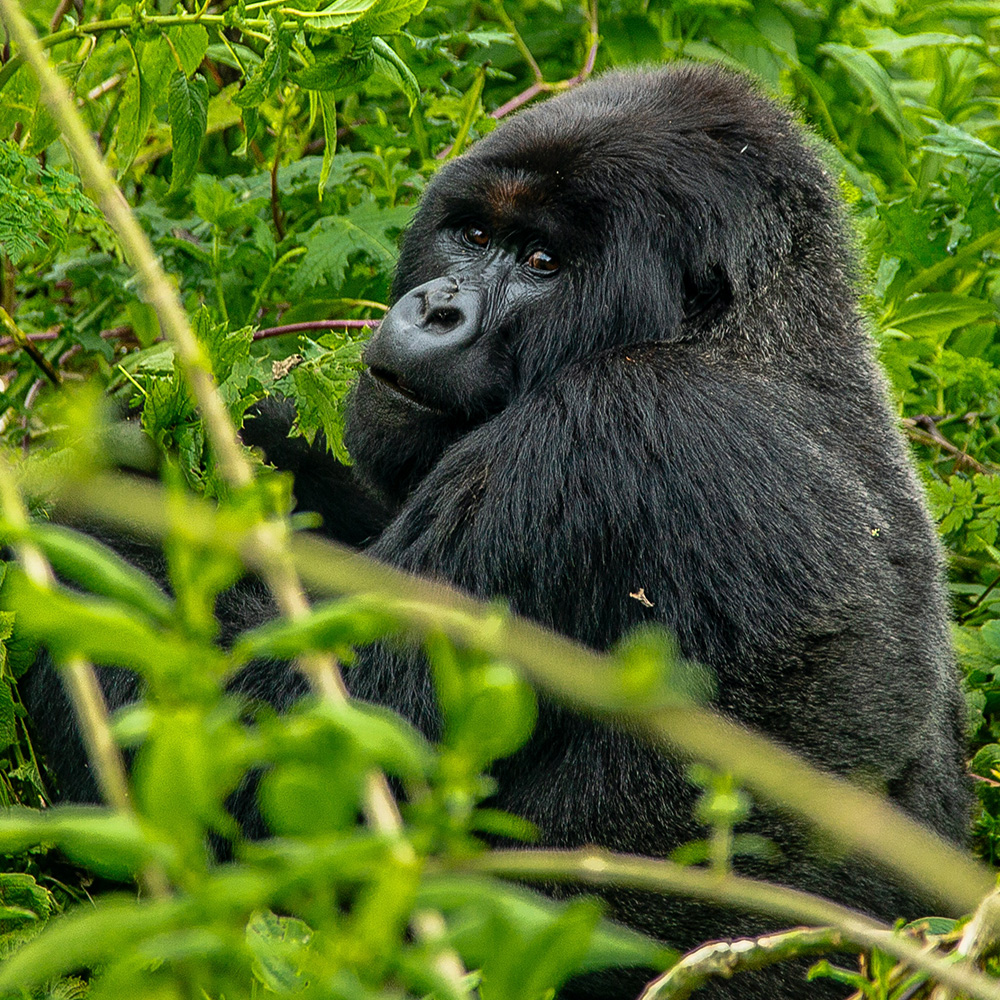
(269, 536)
(595, 683)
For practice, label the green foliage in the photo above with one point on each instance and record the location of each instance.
(273, 152)
(35, 202)
(345, 893)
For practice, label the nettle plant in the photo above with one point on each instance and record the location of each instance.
(271, 153)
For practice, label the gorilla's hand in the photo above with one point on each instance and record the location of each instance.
(352, 513)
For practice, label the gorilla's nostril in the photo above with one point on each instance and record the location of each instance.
(447, 317)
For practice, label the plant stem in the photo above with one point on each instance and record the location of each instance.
(157, 290)
(602, 868)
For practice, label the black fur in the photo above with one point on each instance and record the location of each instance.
(687, 405)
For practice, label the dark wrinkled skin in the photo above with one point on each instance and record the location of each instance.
(688, 404)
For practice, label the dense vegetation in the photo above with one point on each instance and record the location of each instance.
(271, 152)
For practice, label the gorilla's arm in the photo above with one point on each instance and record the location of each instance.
(352, 513)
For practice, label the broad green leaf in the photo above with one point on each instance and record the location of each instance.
(776, 29)
(387, 16)
(90, 937)
(480, 901)
(381, 736)
(891, 42)
(936, 313)
(105, 632)
(954, 141)
(24, 908)
(332, 240)
(387, 64)
(190, 42)
(335, 626)
(338, 14)
(866, 72)
(280, 947)
(954, 8)
(111, 843)
(332, 71)
(187, 107)
(235, 56)
(143, 89)
(986, 763)
(100, 569)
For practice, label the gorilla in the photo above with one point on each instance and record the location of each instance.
(625, 381)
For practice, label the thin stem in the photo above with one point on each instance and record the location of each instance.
(508, 23)
(540, 86)
(722, 959)
(602, 868)
(318, 324)
(92, 712)
(19, 337)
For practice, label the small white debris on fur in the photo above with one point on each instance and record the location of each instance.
(640, 596)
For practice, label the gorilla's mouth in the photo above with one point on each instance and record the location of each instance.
(397, 385)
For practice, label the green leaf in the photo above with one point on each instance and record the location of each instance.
(338, 14)
(381, 736)
(388, 65)
(892, 43)
(331, 240)
(936, 313)
(986, 763)
(328, 108)
(100, 569)
(870, 75)
(112, 844)
(89, 937)
(496, 716)
(954, 141)
(387, 16)
(105, 632)
(329, 72)
(320, 388)
(479, 902)
(142, 91)
(190, 42)
(954, 8)
(187, 107)
(8, 715)
(24, 908)
(266, 77)
(350, 621)
(280, 947)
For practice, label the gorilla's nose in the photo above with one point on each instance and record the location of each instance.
(439, 310)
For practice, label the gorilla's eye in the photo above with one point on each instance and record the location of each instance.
(541, 260)
(476, 237)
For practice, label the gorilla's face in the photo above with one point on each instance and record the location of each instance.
(637, 208)
(446, 346)
(477, 284)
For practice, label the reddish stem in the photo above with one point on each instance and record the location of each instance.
(319, 324)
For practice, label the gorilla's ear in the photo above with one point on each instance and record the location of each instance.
(707, 296)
